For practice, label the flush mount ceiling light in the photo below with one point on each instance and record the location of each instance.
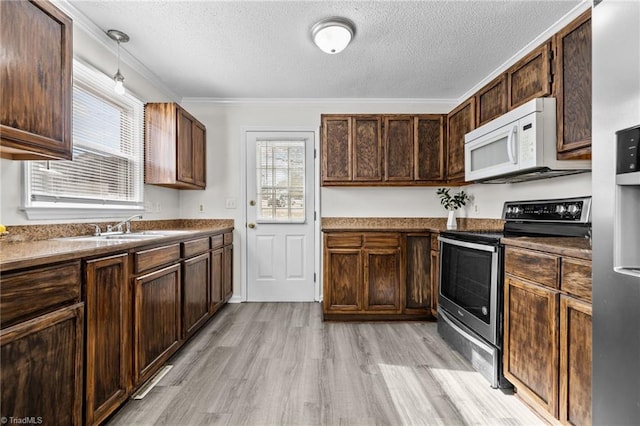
(332, 35)
(120, 37)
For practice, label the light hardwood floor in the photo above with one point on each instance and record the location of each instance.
(279, 364)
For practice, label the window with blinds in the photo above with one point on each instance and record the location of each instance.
(106, 170)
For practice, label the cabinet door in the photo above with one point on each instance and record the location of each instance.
(382, 278)
(435, 281)
(42, 367)
(460, 122)
(491, 100)
(196, 278)
(531, 341)
(108, 353)
(336, 147)
(185, 149)
(573, 87)
(398, 148)
(227, 272)
(343, 280)
(530, 77)
(367, 149)
(429, 147)
(156, 320)
(216, 292)
(36, 81)
(418, 283)
(198, 133)
(575, 361)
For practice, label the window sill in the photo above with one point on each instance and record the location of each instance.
(83, 212)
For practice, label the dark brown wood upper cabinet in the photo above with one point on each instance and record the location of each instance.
(398, 148)
(175, 147)
(573, 88)
(460, 122)
(530, 77)
(491, 100)
(36, 80)
(336, 148)
(429, 147)
(367, 148)
(383, 150)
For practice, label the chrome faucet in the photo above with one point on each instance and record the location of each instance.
(127, 222)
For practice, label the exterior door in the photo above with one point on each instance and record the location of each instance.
(280, 216)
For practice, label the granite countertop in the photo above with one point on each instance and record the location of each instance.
(563, 246)
(25, 252)
(405, 224)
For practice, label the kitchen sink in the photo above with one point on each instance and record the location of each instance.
(132, 236)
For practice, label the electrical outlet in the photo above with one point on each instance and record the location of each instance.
(230, 203)
(201, 209)
(475, 208)
(158, 207)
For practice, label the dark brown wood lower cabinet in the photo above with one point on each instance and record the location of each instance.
(42, 361)
(343, 277)
(435, 281)
(217, 298)
(108, 345)
(227, 272)
(531, 341)
(418, 288)
(382, 278)
(156, 320)
(196, 277)
(575, 361)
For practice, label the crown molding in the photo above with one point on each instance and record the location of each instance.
(82, 21)
(316, 101)
(548, 33)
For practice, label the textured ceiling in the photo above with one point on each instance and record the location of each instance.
(247, 49)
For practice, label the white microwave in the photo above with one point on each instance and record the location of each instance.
(518, 146)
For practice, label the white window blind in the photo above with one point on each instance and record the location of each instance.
(106, 169)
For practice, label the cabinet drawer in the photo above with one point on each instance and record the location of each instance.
(217, 241)
(228, 238)
(194, 247)
(343, 240)
(24, 294)
(434, 242)
(382, 240)
(532, 265)
(576, 278)
(148, 259)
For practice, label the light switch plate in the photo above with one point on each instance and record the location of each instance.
(230, 203)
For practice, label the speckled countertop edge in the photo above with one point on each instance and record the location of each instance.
(408, 224)
(27, 253)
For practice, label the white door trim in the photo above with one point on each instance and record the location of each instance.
(242, 228)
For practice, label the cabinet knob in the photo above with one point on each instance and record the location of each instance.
(251, 225)
(252, 202)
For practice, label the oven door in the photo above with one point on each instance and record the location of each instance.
(469, 281)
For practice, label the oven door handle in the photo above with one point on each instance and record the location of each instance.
(475, 246)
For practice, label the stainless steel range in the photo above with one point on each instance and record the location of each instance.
(470, 299)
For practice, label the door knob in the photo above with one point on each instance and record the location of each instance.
(251, 225)
(252, 202)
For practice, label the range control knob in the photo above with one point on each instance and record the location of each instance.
(573, 209)
(560, 209)
(517, 210)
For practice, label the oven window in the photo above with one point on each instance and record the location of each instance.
(466, 279)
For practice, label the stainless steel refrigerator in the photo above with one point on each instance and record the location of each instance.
(616, 216)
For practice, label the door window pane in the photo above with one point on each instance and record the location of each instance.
(280, 173)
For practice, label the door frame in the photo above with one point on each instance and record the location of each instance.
(242, 230)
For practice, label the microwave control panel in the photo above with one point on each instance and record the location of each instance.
(527, 141)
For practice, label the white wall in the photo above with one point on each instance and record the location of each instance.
(224, 138)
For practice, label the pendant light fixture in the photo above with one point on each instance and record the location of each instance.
(120, 37)
(333, 35)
